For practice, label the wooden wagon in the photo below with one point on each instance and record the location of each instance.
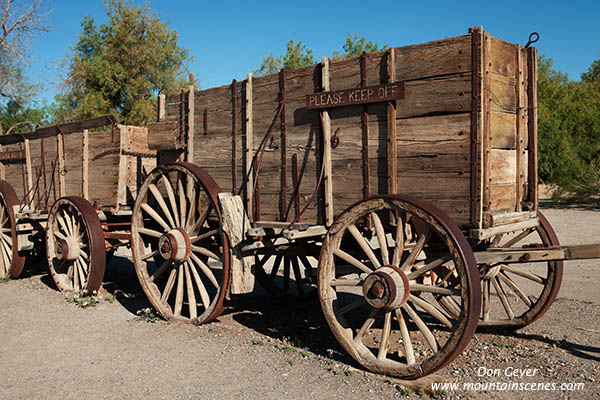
(399, 187)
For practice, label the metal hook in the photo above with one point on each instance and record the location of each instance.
(531, 40)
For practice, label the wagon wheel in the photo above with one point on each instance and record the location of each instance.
(288, 273)
(515, 295)
(382, 263)
(75, 245)
(180, 253)
(11, 262)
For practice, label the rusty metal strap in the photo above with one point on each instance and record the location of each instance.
(138, 154)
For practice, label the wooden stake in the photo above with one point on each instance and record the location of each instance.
(61, 164)
(189, 153)
(520, 128)
(392, 143)
(327, 148)
(249, 145)
(2, 170)
(85, 166)
(162, 107)
(532, 127)
(28, 171)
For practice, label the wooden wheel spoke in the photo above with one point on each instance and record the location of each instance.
(429, 266)
(161, 202)
(515, 288)
(149, 255)
(351, 306)
(409, 352)
(76, 286)
(154, 215)
(82, 274)
(307, 266)
(417, 287)
(496, 240)
(381, 238)
(385, 336)
(431, 309)
(200, 221)
(352, 261)
(503, 299)
(205, 269)
(206, 252)
(182, 202)
(486, 299)
(364, 245)
(286, 274)
(519, 237)
(192, 209)
(366, 325)
(200, 285)
(276, 265)
(149, 232)
(190, 292)
(524, 274)
(399, 241)
(345, 282)
(160, 270)
(171, 195)
(63, 224)
(69, 271)
(427, 334)
(204, 236)
(179, 291)
(414, 253)
(164, 298)
(297, 275)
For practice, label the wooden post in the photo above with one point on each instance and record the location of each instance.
(249, 146)
(532, 127)
(60, 138)
(85, 165)
(486, 134)
(162, 107)
(189, 153)
(2, 170)
(520, 128)
(123, 168)
(392, 161)
(476, 148)
(327, 148)
(29, 190)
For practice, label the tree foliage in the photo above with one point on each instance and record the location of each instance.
(119, 67)
(297, 55)
(569, 133)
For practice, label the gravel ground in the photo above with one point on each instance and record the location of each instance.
(263, 349)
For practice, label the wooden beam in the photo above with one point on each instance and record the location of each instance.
(189, 153)
(486, 134)
(532, 128)
(520, 128)
(85, 153)
(162, 107)
(60, 142)
(28, 172)
(67, 128)
(327, 174)
(392, 157)
(476, 148)
(2, 169)
(249, 145)
(123, 167)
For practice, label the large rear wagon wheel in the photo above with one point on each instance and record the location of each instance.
(181, 254)
(75, 245)
(11, 263)
(383, 270)
(515, 295)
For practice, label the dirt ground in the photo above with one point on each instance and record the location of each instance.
(264, 349)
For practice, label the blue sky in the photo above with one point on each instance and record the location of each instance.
(229, 38)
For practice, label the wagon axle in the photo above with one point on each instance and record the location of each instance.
(387, 288)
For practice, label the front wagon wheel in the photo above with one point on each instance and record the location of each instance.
(181, 254)
(384, 268)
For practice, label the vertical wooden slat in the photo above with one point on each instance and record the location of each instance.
(326, 121)
(60, 138)
(520, 128)
(476, 192)
(123, 168)
(365, 129)
(2, 170)
(189, 153)
(162, 107)
(249, 144)
(486, 134)
(532, 127)
(283, 149)
(392, 160)
(234, 137)
(85, 165)
(28, 172)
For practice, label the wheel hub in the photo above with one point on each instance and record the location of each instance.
(387, 287)
(175, 245)
(68, 248)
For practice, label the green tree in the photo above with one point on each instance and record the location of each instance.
(296, 56)
(355, 46)
(119, 67)
(20, 117)
(593, 73)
